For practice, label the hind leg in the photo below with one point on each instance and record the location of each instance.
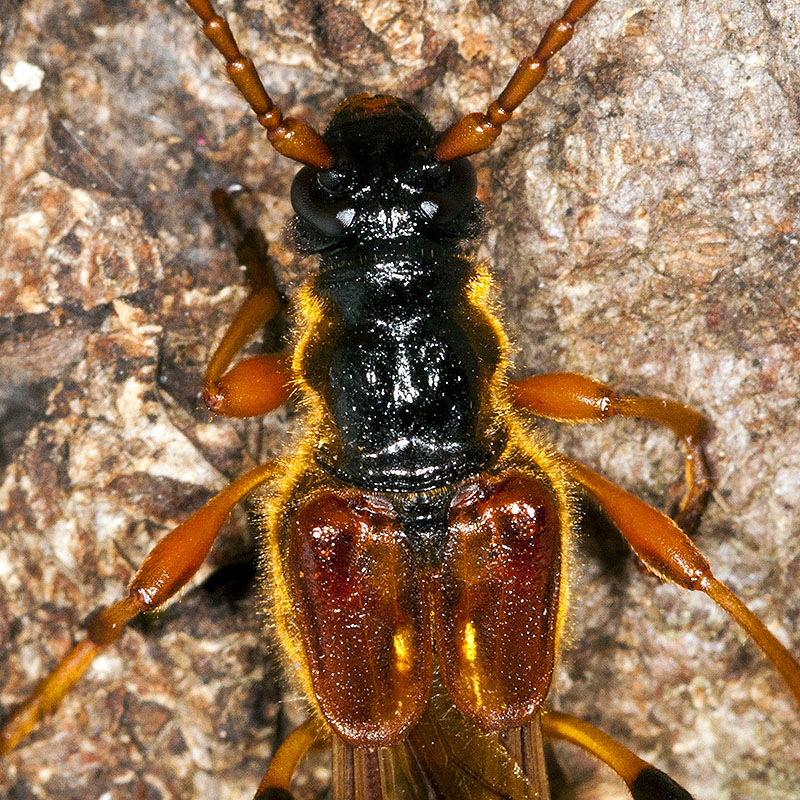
(277, 782)
(644, 781)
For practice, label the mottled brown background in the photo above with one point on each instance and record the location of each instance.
(645, 230)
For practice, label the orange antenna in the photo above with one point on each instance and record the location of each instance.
(477, 131)
(290, 137)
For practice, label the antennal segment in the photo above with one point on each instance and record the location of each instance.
(290, 137)
(477, 131)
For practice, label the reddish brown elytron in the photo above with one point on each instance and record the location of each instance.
(415, 546)
(362, 608)
(496, 600)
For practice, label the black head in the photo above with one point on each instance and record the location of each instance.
(385, 185)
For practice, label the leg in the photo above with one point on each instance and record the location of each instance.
(569, 397)
(644, 781)
(167, 568)
(255, 385)
(277, 782)
(668, 552)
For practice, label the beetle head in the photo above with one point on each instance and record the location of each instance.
(385, 185)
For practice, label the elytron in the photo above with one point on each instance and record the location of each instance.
(416, 545)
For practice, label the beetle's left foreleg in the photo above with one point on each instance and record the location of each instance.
(258, 384)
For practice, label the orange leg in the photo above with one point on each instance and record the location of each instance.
(573, 398)
(167, 568)
(255, 385)
(644, 781)
(277, 782)
(668, 552)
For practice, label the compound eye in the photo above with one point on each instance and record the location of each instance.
(456, 195)
(333, 181)
(436, 174)
(311, 202)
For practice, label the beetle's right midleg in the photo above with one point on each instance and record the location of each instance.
(669, 553)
